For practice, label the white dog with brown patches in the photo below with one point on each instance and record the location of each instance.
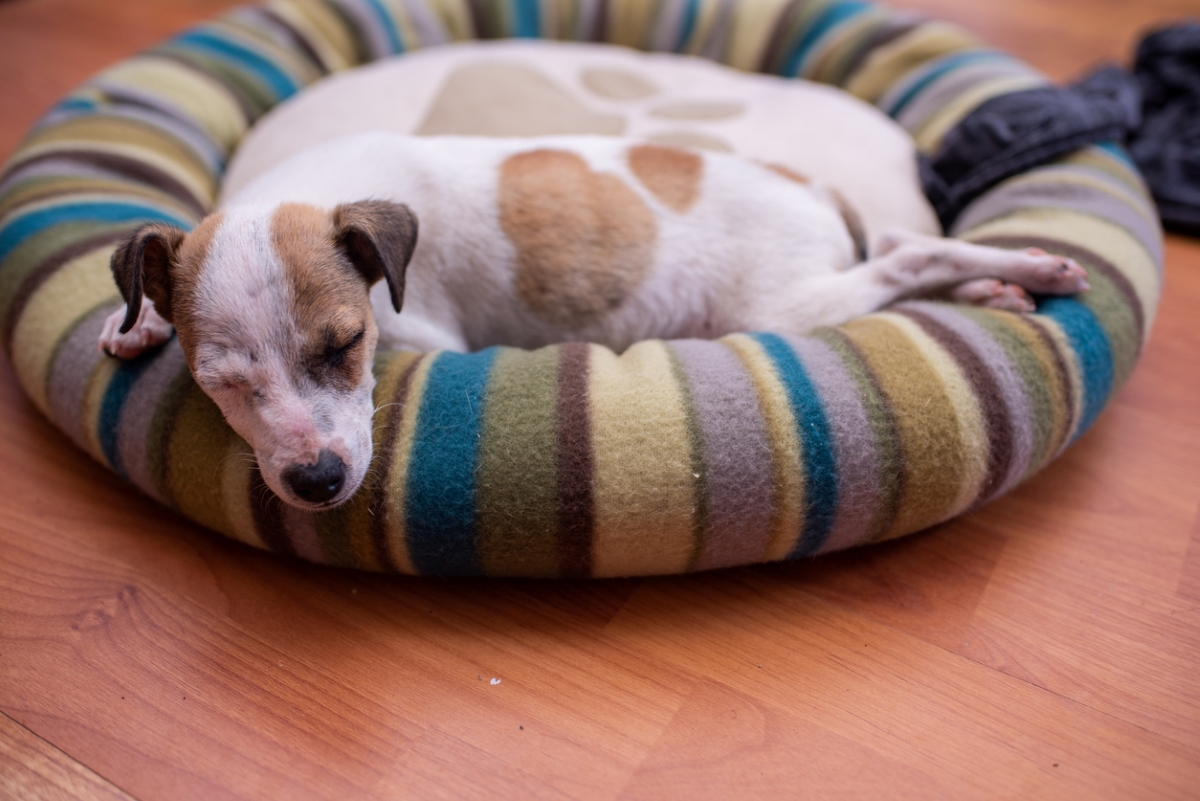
(522, 242)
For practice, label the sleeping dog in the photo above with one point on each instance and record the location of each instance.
(281, 297)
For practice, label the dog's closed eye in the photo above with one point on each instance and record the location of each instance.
(337, 350)
(334, 357)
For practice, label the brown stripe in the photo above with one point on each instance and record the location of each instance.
(380, 524)
(38, 275)
(1101, 265)
(987, 391)
(783, 25)
(882, 37)
(267, 510)
(576, 505)
(138, 172)
(599, 32)
(297, 39)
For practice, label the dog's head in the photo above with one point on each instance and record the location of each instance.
(272, 311)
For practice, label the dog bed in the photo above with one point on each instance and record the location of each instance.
(573, 460)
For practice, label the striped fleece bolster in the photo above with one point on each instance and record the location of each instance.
(574, 461)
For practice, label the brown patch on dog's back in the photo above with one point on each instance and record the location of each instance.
(584, 240)
(329, 300)
(672, 175)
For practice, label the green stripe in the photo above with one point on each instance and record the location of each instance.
(516, 493)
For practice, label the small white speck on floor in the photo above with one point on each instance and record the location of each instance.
(495, 682)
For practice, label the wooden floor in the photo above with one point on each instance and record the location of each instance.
(1045, 647)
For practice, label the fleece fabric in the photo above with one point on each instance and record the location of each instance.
(574, 461)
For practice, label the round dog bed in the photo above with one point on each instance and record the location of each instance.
(573, 460)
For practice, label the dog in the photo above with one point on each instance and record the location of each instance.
(281, 297)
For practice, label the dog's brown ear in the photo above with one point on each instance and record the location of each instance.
(379, 237)
(141, 266)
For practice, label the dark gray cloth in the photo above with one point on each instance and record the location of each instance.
(1154, 111)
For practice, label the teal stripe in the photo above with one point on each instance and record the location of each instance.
(440, 506)
(812, 425)
(527, 16)
(1092, 350)
(828, 20)
(689, 23)
(945, 65)
(34, 223)
(388, 25)
(274, 77)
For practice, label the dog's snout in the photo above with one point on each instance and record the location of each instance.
(317, 483)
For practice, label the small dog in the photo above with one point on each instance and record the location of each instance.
(523, 242)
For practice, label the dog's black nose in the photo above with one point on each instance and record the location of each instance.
(317, 483)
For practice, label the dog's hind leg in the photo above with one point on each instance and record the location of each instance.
(911, 265)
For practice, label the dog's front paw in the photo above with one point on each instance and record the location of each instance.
(150, 331)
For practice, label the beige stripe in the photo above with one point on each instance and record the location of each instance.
(893, 61)
(322, 28)
(786, 448)
(456, 16)
(972, 430)
(397, 486)
(1114, 243)
(926, 421)
(630, 20)
(751, 28)
(644, 485)
(203, 99)
(63, 299)
(928, 135)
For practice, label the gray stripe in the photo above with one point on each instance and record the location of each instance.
(935, 97)
(736, 454)
(142, 406)
(75, 360)
(1024, 193)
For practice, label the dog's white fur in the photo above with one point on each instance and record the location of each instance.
(753, 250)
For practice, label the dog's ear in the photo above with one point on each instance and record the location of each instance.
(141, 266)
(379, 237)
